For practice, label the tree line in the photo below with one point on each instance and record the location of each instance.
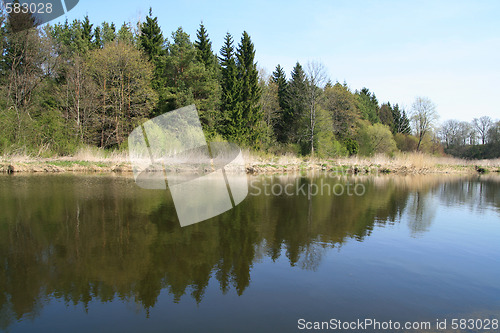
(72, 84)
(479, 138)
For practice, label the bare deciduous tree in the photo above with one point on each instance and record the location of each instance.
(316, 79)
(482, 125)
(270, 104)
(423, 118)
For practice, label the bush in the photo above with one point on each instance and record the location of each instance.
(351, 146)
(284, 149)
(406, 142)
(376, 139)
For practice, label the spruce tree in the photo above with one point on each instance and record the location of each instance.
(97, 38)
(293, 117)
(405, 123)
(87, 31)
(279, 78)
(126, 35)
(204, 47)
(250, 91)
(151, 38)
(385, 114)
(108, 32)
(230, 115)
(368, 105)
(183, 80)
(401, 122)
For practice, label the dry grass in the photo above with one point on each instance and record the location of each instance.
(402, 162)
(264, 158)
(91, 154)
(415, 160)
(87, 154)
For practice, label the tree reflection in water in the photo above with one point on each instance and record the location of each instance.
(84, 238)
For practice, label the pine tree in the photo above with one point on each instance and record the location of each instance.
(250, 91)
(230, 115)
(151, 38)
(204, 47)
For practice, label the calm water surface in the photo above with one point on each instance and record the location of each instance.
(98, 254)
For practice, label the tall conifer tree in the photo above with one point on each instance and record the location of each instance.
(293, 117)
(249, 91)
(230, 115)
(204, 47)
(151, 39)
(279, 78)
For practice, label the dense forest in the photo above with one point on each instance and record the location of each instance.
(69, 85)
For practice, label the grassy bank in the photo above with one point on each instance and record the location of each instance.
(94, 160)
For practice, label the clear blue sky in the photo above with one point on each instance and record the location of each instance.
(448, 51)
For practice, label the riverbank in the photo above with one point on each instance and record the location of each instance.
(412, 163)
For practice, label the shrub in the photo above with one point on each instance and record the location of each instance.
(376, 139)
(351, 146)
(406, 142)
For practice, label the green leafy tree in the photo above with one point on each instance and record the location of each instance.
(324, 139)
(376, 139)
(341, 104)
(269, 102)
(124, 95)
(26, 62)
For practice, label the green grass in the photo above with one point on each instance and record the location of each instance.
(67, 164)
